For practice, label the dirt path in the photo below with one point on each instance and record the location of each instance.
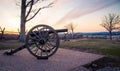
(63, 60)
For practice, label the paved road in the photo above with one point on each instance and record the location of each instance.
(63, 60)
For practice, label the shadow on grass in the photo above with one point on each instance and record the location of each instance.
(103, 63)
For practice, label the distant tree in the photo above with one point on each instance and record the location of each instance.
(110, 23)
(2, 32)
(28, 13)
(71, 28)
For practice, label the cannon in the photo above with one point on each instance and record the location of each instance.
(42, 41)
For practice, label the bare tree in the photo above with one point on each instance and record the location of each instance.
(110, 23)
(71, 28)
(28, 13)
(2, 32)
(19, 33)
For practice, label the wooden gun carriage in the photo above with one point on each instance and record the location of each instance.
(42, 41)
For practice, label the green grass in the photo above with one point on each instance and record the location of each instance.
(114, 51)
(99, 46)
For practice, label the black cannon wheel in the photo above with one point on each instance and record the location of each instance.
(42, 41)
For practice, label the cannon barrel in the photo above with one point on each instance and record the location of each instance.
(49, 32)
(59, 30)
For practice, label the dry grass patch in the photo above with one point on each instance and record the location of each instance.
(10, 44)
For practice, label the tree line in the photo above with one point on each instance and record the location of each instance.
(110, 22)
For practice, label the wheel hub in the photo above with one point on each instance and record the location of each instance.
(42, 41)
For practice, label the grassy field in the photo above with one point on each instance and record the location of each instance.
(98, 46)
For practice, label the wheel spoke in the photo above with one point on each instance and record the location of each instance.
(39, 32)
(50, 45)
(36, 50)
(36, 35)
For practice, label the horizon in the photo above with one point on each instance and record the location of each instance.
(87, 15)
(14, 32)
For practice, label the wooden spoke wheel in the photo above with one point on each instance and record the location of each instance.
(42, 41)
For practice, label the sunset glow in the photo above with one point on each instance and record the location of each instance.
(86, 14)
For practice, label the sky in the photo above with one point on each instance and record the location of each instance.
(86, 15)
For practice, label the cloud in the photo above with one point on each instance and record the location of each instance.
(86, 7)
